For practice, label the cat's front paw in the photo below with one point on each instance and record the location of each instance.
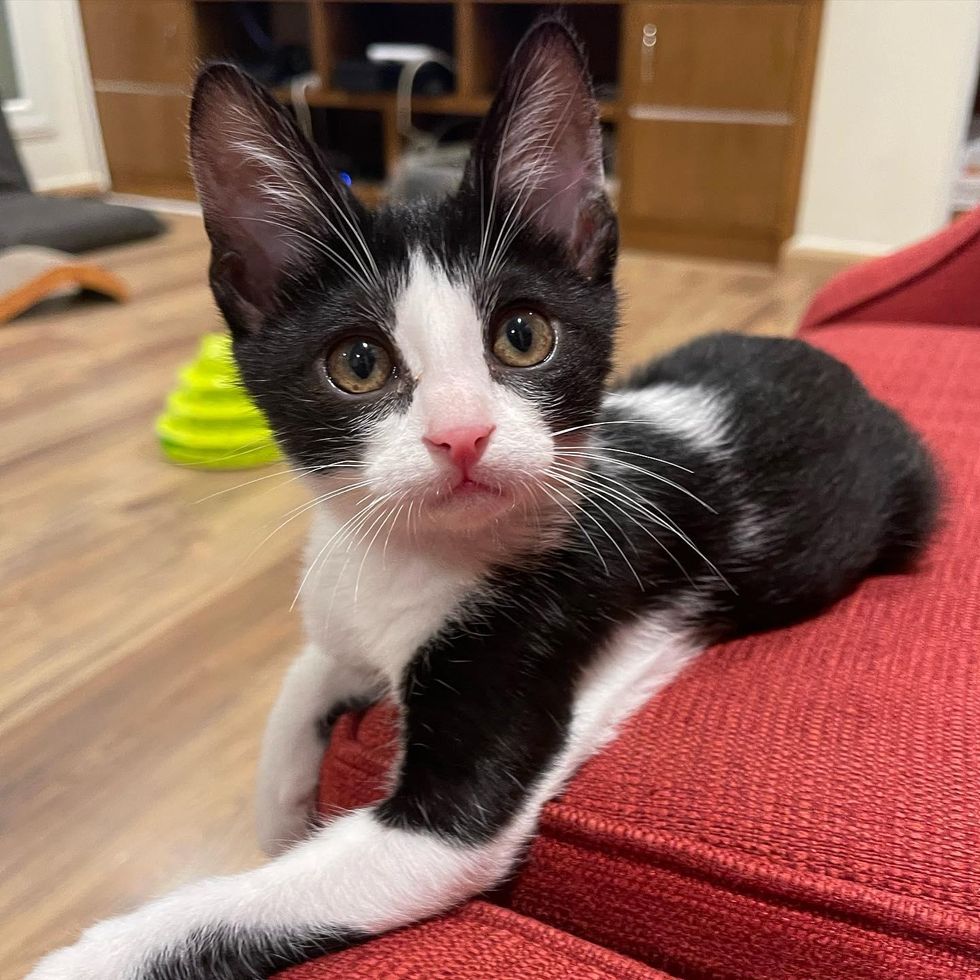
(161, 939)
(288, 780)
(285, 813)
(71, 963)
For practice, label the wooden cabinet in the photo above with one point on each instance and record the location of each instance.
(716, 103)
(142, 55)
(727, 55)
(684, 186)
(139, 41)
(704, 101)
(145, 135)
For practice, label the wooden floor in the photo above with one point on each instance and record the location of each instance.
(143, 620)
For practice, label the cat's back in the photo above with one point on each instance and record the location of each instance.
(769, 405)
(736, 367)
(829, 482)
(775, 399)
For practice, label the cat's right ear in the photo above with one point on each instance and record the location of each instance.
(268, 201)
(537, 159)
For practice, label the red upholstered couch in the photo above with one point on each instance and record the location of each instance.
(804, 803)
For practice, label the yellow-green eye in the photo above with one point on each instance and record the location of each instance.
(522, 338)
(359, 366)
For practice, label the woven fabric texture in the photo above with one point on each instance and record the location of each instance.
(478, 942)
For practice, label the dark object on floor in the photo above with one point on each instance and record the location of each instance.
(71, 224)
(68, 224)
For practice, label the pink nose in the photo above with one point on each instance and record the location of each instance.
(463, 444)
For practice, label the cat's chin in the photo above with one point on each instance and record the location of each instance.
(469, 505)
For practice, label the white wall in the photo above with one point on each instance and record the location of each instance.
(55, 122)
(894, 82)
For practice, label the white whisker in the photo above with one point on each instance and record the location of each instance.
(639, 469)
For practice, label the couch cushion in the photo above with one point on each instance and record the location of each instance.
(477, 942)
(932, 281)
(804, 802)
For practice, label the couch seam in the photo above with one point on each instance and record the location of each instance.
(637, 844)
(532, 925)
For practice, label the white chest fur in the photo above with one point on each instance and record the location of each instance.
(379, 601)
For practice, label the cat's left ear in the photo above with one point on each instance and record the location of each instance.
(538, 156)
(270, 204)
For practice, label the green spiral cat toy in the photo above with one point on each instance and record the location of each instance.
(209, 420)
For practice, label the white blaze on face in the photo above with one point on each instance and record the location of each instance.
(441, 340)
(440, 336)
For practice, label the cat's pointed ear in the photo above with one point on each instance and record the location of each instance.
(265, 195)
(538, 155)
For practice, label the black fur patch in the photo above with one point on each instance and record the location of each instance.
(221, 953)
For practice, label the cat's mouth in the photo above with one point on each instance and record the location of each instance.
(468, 487)
(471, 496)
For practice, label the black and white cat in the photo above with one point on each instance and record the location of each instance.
(517, 554)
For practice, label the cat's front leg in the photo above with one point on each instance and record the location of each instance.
(488, 738)
(317, 686)
(358, 876)
(467, 796)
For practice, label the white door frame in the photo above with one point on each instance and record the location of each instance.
(54, 120)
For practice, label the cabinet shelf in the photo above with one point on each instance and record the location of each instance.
(717, 174)
(447, 105)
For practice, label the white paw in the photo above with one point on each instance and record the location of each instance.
(284, 813)
(289, 771)
(293, 744)
(64, 964)
(156, 937)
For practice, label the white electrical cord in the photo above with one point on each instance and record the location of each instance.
(403, 100)
(298, 88)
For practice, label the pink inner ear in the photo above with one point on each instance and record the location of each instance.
(235, 177)
(549, 140)
(266, 249)
(258, 185)
(561, 193)
(563, 187)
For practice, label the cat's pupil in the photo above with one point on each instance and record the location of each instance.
(519, 334)
(361, 358)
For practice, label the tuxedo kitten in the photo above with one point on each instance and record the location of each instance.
(518, 554)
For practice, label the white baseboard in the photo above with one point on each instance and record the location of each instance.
(814, 254)
(94, 181)
(820, 245)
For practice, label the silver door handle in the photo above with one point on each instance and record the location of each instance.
(648, 43)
